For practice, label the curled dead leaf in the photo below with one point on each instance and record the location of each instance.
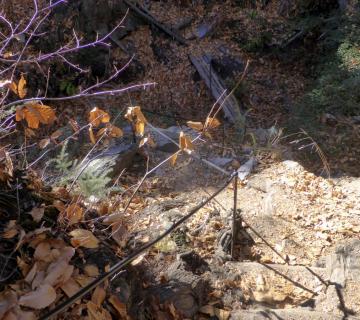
(212, 123)
(73, 214)
(185, 142)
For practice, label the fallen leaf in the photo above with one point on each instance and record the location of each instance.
(73, 214)
(56, 134)
(83, 280)
(195, 125)
(98, 296)
(98, 116)
(185, 142)
(70, 287)
(119, 306)
(41, 298)
(84, 238)
(44, 143)
(212, 123)
(91, 270)
(97, 313)
(37, 214)
(8, 299)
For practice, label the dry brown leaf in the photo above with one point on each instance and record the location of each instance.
(8, 300)
(6, 166)
(83, 238)
(44, 143)
(34, 114)
(70, 287)
(21, 90)
(58, 273)
(198, 126)
(119, 306)
(74, 125)
(91, 270)
(185, 142)
(43, 252)
(37, 214)
(24, 267)
(212, 123)
(97, 313)
(73, 214)
(98, 116)
(114, 131)
(56, 134)
(41, 298)
(98, 296)
(10, 233)
(83, 280)
(29, 133)
(173, 159)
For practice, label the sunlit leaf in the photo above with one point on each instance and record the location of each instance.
(134, 114)
(98, 116)
(83, 238)
(195, 125)
(73, 214)
(185, 142)
(21, 87)
(34, 114)
(114, 131)
(139, 128)
(173, 159)
(212, 123)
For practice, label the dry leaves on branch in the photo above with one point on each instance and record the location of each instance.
(19, 89)
(34, 114)
(98, 116)
(138, 120)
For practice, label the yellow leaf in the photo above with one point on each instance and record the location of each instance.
(134, 114)
(91, 135)
(139, 128)
(44, 143)
(84, 238)
(21, 87)
(35, 113)
(98, 116)
(195, 125)
(212, 123)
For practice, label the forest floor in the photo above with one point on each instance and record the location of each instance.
(296, 244)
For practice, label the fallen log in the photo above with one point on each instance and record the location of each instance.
(229, 104)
